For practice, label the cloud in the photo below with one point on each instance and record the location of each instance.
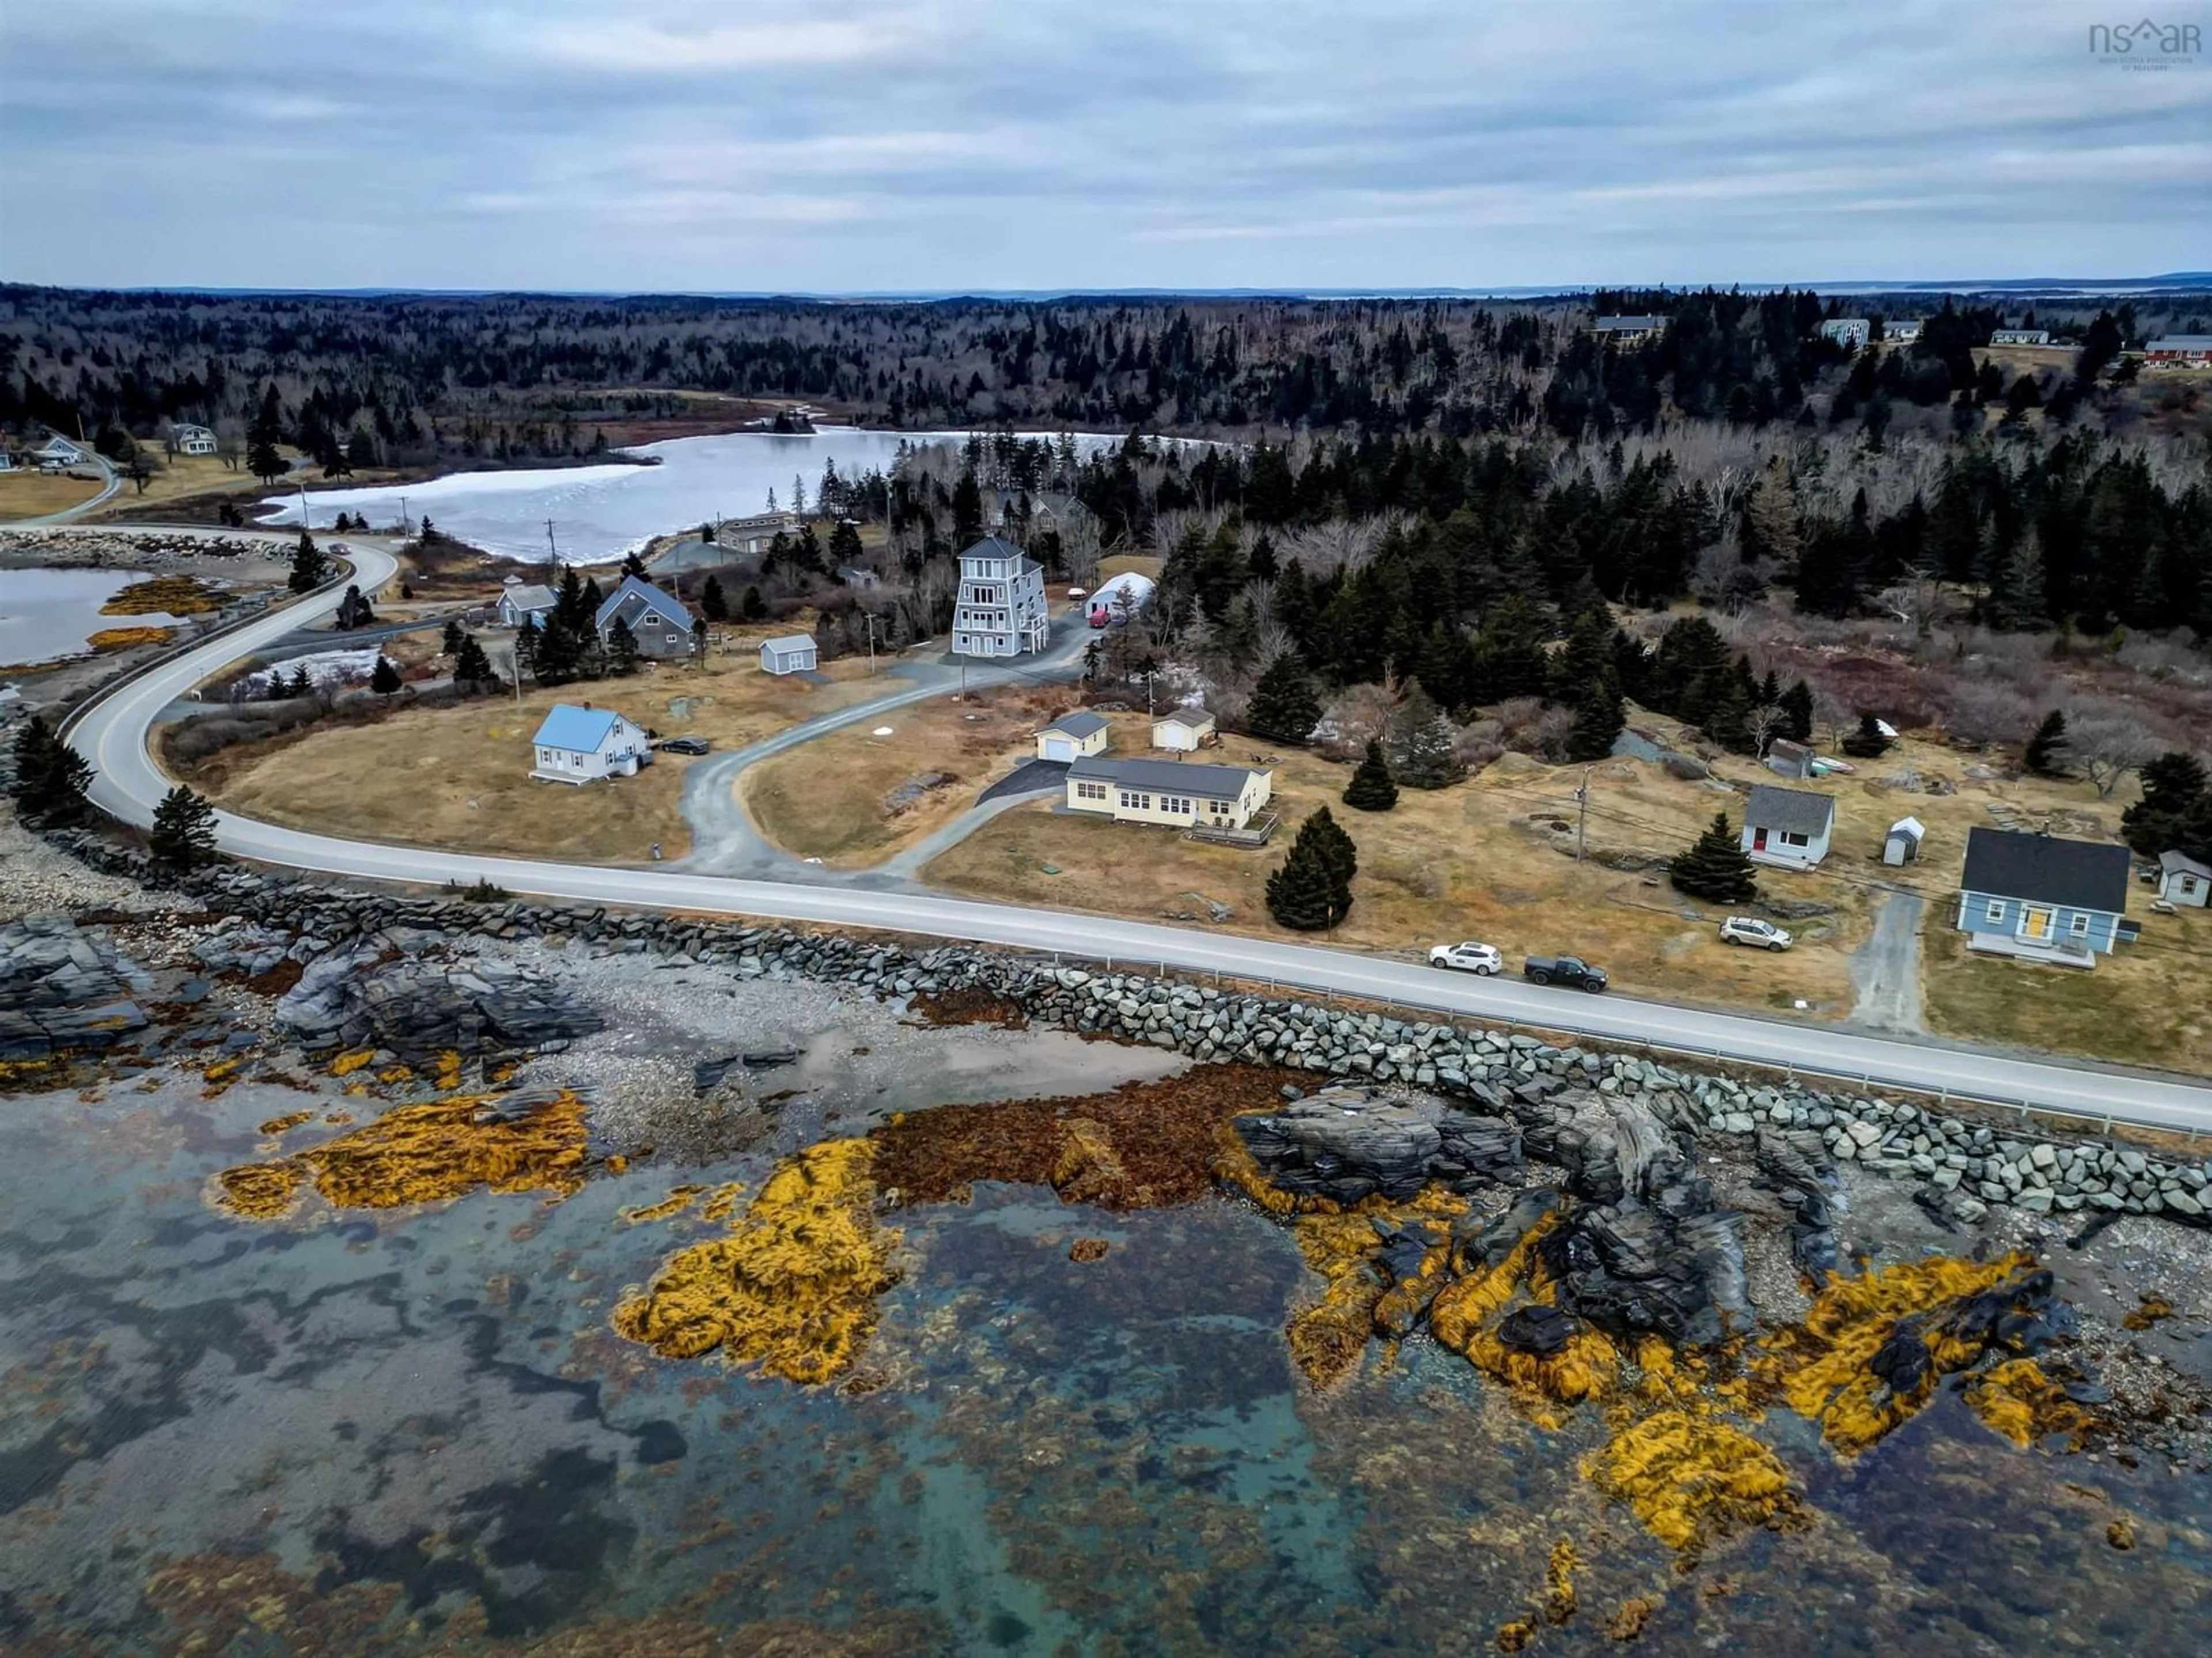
(840, 145)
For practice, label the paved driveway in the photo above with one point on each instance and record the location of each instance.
(1886, 970)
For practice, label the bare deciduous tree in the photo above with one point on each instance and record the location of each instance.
(1918, 599)
(2105, 747)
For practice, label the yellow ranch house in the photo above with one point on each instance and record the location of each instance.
(1169, 791)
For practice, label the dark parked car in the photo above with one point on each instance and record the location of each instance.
(1564, 970)
(682, 745)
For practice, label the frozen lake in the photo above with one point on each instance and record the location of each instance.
(603, 511)
(45, 615)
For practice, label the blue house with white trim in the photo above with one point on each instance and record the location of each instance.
(584, 745)
(2044, 899)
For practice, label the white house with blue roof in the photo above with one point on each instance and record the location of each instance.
(584, 745)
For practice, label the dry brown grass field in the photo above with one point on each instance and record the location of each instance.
(458, 777)
(27, 493)
(830, 798)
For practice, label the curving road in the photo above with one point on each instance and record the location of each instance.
(112, 733)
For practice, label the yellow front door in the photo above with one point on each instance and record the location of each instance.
(2035, 924)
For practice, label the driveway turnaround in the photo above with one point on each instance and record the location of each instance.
(111, 734)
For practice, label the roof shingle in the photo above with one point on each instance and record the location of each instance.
(2046, 870)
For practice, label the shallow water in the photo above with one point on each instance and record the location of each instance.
(48, 614)
(413, 1430)
(603, 511)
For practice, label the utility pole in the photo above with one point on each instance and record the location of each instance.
(303, 505)
(869, 616)
(402, 518)
(1582, 818)
(552, 557)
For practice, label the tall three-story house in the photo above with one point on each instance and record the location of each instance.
(1001, 611)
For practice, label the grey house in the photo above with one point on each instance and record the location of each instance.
(518, 598)
(1787, 827)
(2044, 899)
(794, 653)
(1001, 611)
(2183, 880)
(656, 618)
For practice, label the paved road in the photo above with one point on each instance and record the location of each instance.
(113, 736)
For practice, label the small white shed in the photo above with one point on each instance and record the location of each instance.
(1073, 736)
(585, 744)
(1902, 844)
(794, 653)
(1182, 730)
(2183, 880)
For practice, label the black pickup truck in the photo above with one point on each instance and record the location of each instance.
(1564, 970)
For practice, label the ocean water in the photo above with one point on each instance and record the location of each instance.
(598, 512)
(46, 614)
(413, 1430)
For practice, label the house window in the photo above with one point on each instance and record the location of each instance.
(2080, 926)
(1218, 808)
(1091, 791)
(1174, 803)
(1994, 910)
(1792, 838)
(1131, 802)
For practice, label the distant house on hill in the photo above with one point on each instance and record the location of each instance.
(753, 534)
(584, 745)
(2019, 337)
(2044, 899)
(1629, 331)
(518, 598)
(56, 453)
(193, 439)
(1849, 331)
(2180, 352)
(656, 618)
(1902, 332)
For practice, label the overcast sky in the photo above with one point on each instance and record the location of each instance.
(869, 145)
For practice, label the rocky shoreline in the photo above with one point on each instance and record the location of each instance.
(351, 948)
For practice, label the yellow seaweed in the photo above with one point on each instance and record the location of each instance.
(1694, 1480)
(677, 1201)
(2019, 1400)
(290, 1120)
(259, 1191)
(793, 1288)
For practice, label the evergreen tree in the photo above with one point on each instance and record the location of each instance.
(753, 607)
(1371, 788)
(1283, 708)
(1797, 706)
(2046, 754)
(384, 678)
(263, 433)
(2017, 602)
(303, 683)
(527, 638)
(471, 666)
(183, 834)
(1728, 721)
(712, 602)
(51, 777)
(311, 567)
(1599, 718)
(278, 687)
(1715, 867)
(1866, 743)
(353, 611)
(2172, 786)
(456, 636)
(622, 649)
(560, 653)
(1430, 758)
(634, 566)
(1312, 890)
(570, 608)
(845, 543)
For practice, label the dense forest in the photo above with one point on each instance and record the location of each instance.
(413, 378)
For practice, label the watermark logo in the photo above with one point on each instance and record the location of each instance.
(2146, 45)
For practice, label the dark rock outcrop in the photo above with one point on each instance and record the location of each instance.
(59, 990)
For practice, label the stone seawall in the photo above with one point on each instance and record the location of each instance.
(1964, 1165)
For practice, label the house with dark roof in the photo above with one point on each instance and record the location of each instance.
(1787, 827)
(2044, 899)
(518, 598)
(656, 618)
(1170, 792)
(1073, 736)
(1629, 331)
(583, 744)
(1000, 607)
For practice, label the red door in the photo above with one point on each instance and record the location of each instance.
(1758, 840)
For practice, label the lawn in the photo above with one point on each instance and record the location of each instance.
(2148, 1003)
(27, 493)
(458, 778)
(832, 799)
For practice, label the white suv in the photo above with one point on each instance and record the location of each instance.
(1469, 957)
(1750, 930)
